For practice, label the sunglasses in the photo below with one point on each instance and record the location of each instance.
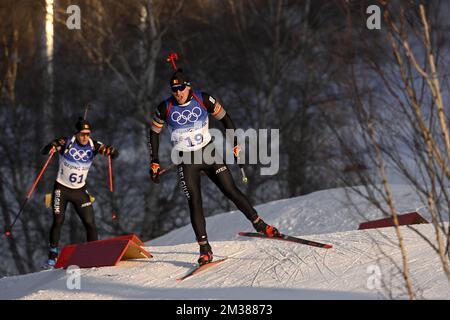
(178, 88)
(84, 134)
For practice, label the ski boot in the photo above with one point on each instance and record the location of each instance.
(206, 255)
(266, 229)
(52, 257)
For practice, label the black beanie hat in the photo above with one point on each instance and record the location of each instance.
(179, 78)
(83, 124)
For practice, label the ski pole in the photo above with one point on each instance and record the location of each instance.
(171, 58)
(236, 151)
(86, 109)
(111, 188)
(244, 177)
(8, 231)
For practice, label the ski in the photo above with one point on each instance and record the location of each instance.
(199, 269)
(284, 237)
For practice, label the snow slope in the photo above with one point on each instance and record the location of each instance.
(360, 266)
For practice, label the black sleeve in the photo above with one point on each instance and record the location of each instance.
(213, 106)
(209, 102)
(159, 117)
(153, 145)
(157, 123)
(97, 146)
(228, 124)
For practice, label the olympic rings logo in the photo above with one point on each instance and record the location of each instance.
(186, 116)
(80, 154)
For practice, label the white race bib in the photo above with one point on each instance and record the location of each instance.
(74, 166)
(193, 138)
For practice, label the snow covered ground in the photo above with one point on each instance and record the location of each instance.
(361, 264)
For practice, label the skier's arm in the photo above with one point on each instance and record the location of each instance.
(217, 111)
(58, 144)
(105, 150)
(215, 108)
(157, 124)
(153, 145)
(228, 124)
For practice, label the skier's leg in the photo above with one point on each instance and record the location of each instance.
(189, 179)
(59, 205)
(83, 207)
(223, 179)
(189, 176)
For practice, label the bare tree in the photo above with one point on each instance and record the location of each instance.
(400, 121)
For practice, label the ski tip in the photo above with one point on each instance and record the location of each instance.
(199, 268)
(328, 246)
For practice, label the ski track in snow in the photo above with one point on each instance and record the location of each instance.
(262, 268)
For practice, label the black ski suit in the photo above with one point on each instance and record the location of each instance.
(70, 185)
(169, 112)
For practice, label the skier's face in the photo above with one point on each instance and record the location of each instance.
(83, 137)
(181, 95)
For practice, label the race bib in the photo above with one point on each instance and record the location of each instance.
(74, 166)
(192, 138)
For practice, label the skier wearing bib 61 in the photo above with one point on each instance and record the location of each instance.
(76, 154)
(186, 114)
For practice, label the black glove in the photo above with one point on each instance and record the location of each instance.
(57, 144)
(114, 153)
(236, 152)
(47, 148)
(109, 151)
(155, 169)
